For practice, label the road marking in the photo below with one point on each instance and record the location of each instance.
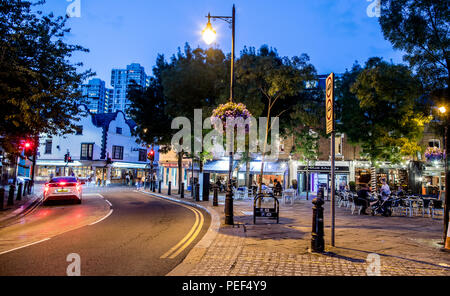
(107, 215)
(192, 234)
(193, 237)
(194, 227)
(27, 245)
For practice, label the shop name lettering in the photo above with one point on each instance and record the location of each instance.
(230, 286)
(236, 130)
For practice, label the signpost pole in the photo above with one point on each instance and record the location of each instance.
(331, 129)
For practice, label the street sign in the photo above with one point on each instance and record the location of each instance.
(270, 213)
(330, 103)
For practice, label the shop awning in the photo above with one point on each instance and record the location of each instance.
(130, 165)
(218, 166)
(43, 162)
(276, 168)
(222, 166)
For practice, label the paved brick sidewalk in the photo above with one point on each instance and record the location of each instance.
(10, 212)
(405, 245)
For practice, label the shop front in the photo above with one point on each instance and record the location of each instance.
(136, 172)
(320, 176)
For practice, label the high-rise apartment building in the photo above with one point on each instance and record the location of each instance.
(94, 96)
(121, 79)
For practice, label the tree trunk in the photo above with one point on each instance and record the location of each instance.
(307, 180)
(247, 170)
(180, 167)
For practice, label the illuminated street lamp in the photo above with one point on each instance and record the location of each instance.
(209, 36)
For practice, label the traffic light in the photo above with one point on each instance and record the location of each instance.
(28, 150)
(67, 157)
(151, 155)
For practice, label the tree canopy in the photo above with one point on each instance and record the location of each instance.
(381, 110)
(421, 29)
(38, 83)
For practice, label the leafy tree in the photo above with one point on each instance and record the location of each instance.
(421, 29)
(154, 129)
(306, 126)
(38, 83)
(390, 117)
(193, 79)
(271, 78)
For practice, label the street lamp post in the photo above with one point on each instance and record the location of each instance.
(209, 36)
(443, 111)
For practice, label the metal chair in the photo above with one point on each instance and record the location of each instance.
(436, 206)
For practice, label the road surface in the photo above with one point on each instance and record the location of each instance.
(114, 232)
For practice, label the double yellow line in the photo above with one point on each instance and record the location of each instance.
(189, 238)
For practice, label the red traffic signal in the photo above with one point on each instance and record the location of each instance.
(151, 155)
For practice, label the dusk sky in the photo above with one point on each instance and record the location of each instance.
(334, 33)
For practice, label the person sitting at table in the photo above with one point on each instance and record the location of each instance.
(400, 192)
(384, 190)
(363, 198)
(278, 188)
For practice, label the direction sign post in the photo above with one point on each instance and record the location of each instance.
(330, 129)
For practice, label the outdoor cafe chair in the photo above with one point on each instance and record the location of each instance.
(436, 206)
(289, 196)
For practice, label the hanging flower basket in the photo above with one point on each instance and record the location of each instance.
(231, 110)
(434, 153)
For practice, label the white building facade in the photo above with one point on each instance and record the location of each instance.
(102, 149)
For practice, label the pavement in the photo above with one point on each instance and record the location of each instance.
(20, 208)
(365, 245)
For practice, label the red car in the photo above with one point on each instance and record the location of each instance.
(63, 188)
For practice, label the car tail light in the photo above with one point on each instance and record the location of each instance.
(78, 187)
(46, 187)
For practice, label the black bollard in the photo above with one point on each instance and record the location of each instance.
(215, 196)
(25, 188)
(169, 188)
(159, 186)
(30, 186)
(2, 198)
(192, 191)
(206, 191)
(197, 192)
(154, 186)
(182, 190)
(317, 241)
(12, 188)
(19, 192)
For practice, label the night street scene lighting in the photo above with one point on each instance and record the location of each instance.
(136, 140)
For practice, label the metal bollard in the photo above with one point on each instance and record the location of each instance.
(154, 186)
(30, 187)
(317, 241)
(193, 191)
(25, 188)
(12, 188)
(197, 192)
(159, 186)
(2, 198)
(182, 190)
(206, 192)
(169, 188)
(215, 196)
(19, 192)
